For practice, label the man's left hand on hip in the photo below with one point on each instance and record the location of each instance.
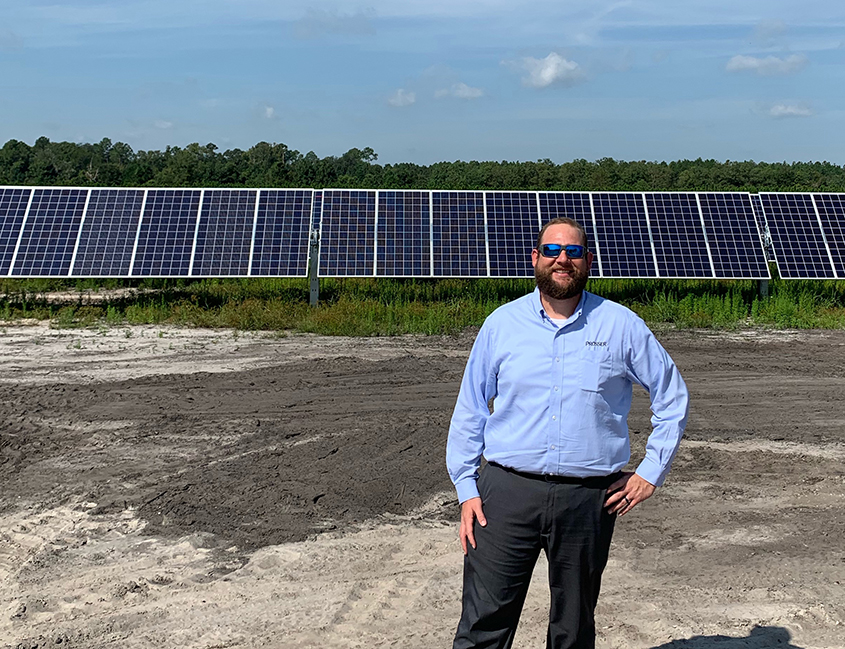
(627, 492)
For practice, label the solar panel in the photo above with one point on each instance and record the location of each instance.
(459, 234)
(347, 233)
(573, 205)
(735, 244)
(513, 221)
(166, 233)
(107, 237)
(759, 216)
(831, 209)
(224, 233)
(316, 211)
(49, 233)
(403, 234)
(797, 239)
(13, 202)
(281, 233)
(679, 245)
(623, 236)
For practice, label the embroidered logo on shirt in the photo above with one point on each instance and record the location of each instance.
(596, 343)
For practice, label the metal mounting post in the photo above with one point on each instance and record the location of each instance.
(764, 287)
(313, 251)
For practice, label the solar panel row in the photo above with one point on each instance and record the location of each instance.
(808, 234)
(491, 234)
(46, 232)
(410, 233)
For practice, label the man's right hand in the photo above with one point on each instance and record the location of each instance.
(470, 511)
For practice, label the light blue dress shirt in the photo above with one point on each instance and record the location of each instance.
(561, 394)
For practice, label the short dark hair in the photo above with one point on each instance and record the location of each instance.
(563, 220)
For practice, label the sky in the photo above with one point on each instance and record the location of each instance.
(426, 81)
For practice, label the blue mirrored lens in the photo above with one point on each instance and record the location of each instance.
(552, 250)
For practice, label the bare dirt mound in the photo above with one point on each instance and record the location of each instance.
(257, 457)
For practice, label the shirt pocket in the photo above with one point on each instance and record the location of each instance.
(596, 368)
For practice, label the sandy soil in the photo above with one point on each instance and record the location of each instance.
(166, 487)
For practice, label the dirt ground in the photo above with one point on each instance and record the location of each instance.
(165, 487)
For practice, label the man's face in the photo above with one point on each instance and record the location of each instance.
(561, 278)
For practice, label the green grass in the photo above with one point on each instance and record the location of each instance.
(387, 307)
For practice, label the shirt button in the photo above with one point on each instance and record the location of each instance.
(554, 416)
(553, 447)
(555, 388)
(557, 359)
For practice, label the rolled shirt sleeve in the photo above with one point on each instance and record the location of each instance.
(465, 444)
(651, 367)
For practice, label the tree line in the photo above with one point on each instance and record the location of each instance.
(116, 164)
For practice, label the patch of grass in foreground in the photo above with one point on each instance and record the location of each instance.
(374, 307)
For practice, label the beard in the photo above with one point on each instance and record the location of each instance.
(553, 290)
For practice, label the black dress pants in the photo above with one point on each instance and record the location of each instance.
(563, 517)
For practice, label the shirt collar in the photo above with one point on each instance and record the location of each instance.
(541, 312)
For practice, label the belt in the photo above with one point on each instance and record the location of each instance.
(591, 481)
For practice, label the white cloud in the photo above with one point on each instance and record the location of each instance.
(460, 90)
(402, 98)
(463, 91)
(319, 22)
(790, 110)
(268, 112)
(552, 69)
(162, 124)
(768, 66)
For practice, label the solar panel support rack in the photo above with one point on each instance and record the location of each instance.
(313, 267)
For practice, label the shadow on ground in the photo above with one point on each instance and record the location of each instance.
(761, 637)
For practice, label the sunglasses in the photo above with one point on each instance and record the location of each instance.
(553, 250)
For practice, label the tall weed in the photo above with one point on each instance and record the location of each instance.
(384, 306)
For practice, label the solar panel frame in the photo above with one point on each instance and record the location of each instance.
(611, 234)
(513, 221)
(830, 208)
(347, 233)
(462, 252)
(792, 218)
(166, 233)
(14, 204)
(403, 222)
(283, 226)
(737, 249)
(108, 232)
(680, 246)
(232, 213)
(49, 232)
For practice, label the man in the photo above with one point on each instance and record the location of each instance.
(559, 365)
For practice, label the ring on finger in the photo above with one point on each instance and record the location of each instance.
(627, 502)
